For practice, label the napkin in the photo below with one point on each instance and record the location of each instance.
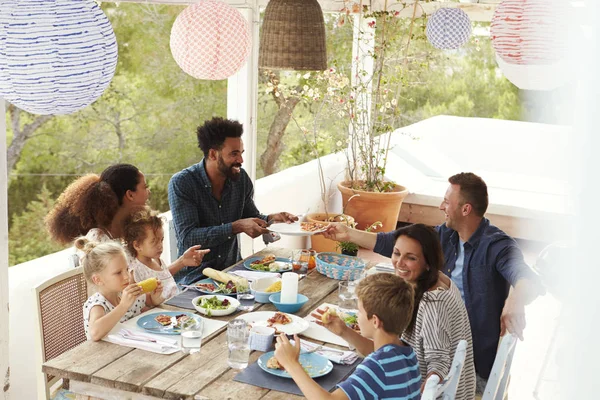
(334, 355)
(143, 341)
(253, 275)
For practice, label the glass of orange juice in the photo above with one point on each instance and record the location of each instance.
(312, 260)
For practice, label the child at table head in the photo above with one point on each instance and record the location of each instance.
(118, 298)
(143, 234)
(385, 305)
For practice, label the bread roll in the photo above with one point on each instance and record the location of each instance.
(272, 363)
(224, 277)
(329, 312)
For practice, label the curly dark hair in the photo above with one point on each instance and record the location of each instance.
(429, 240)
(91, 201)
(473, 190)
(134, 227)
(213, 133)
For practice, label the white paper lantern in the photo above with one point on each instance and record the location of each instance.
(56, 56)
(448, 28)
(210, 40)
(534, 77)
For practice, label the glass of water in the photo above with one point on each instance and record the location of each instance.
(246, 298)
(238, 334)
(347, 295)
(191, 335)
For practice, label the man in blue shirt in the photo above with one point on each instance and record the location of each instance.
(483, 262)
(213, 201)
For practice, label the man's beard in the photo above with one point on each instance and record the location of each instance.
(228, 171)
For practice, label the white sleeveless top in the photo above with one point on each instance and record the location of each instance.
(141, 272)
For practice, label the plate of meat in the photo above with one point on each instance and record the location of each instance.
(165, 322)
(297, 228)
(282, 322)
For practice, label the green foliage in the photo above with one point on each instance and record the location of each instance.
(28, 237)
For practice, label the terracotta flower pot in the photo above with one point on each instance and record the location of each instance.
(318, 242)
(370, 207)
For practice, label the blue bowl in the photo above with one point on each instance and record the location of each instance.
(288, 307)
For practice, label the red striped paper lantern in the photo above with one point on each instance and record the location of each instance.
(210, 40)
(530, 31)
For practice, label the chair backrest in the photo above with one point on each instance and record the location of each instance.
(498, 380)
(59, 323)
(446, 389)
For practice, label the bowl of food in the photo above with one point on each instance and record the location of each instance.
(288, 307)
(264, 287)
(215, 305)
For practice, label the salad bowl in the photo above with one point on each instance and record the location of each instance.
(215, 305)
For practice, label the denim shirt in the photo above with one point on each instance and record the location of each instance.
(493, 262)
(200, 218)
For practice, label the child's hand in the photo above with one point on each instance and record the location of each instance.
(159, 288)
(130, 294)
(193, 256)
(334, 325)
(286, 353)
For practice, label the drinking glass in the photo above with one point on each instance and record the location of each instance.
(191, 335)
(300, 261)
(347, 295)
(246, 298)
(238, 333)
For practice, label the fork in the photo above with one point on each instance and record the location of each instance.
(319, 348)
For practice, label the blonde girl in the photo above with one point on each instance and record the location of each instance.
(143, 234)
(118, 298)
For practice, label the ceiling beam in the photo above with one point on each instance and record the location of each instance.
(481, 11)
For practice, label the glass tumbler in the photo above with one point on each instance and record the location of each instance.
(191, 335)
(238, 334)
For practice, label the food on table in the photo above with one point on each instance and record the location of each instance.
(264, 261)
(224, 277)
(206, 287)
(148, 285)
(279, 318)
(181, 318)
(164, 320)
(351, 321)
(275, 266)
(272, 363)
(329, 312)
(275, 287)
(311, 226)
(213, 303)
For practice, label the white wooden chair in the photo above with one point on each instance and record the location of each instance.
(59, 323)
(498, 380)
(446, 389)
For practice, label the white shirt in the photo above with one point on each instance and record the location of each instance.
(141, 272)
(99, 300)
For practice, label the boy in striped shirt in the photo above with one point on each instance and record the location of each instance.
(391, 371)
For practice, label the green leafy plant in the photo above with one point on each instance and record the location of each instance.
(351, 247)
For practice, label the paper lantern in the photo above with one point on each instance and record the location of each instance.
(448, 28)
(530, 39)
(210, 40)
(530, 31)
(56, 56)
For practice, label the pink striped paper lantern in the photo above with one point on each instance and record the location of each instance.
(210, 40)
(530, 34)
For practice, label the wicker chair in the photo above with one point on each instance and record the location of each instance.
(59, 324)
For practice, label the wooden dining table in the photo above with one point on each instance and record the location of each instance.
(110, 371)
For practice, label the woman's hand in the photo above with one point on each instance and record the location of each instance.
(193, 256)
(337, 231)
(334, 325)
(286, 353)
(130, 295)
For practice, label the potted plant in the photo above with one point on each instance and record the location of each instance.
(350, 248)
(372, 113)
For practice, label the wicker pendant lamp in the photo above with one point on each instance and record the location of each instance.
(293, 36)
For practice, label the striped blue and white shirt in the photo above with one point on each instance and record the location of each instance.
(391, 372)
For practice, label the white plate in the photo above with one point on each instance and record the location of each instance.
(216, 313)
(293, 229)
(260, 318)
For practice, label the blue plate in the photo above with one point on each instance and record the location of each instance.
(149, 324)
(280, 259)
(314, 364)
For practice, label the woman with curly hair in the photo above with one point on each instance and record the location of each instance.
(97, 205)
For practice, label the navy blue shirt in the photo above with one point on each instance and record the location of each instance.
(493, 262)
(200, 218)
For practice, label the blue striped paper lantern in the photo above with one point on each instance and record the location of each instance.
(56, 56)
(448, 28)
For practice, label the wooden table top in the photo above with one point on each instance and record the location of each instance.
(190, 376)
